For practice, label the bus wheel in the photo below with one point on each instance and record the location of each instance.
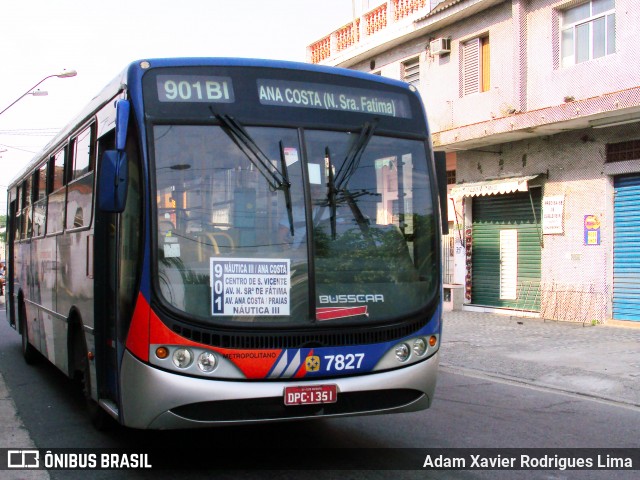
(29, 352)
(100, 419)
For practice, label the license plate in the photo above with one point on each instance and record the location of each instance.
(310, 395)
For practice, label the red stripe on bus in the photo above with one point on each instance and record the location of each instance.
(138, 337)
(253, 364)
(302, 371)
(163, 335)
(331, 313)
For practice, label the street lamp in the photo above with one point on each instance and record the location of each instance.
(66, 74)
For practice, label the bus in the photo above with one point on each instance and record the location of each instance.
(217, 241)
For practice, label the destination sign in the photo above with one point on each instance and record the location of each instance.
(195, 88)
(284, 93)
(250, 286)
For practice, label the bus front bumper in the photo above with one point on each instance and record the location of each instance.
(156, 399)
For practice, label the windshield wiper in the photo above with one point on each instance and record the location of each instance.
(348, 168)
(332, 192)
(276, 179)
(287, 182)
(335, 196)
(354, 155)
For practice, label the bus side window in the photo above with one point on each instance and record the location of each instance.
(18, 215)
(106, 142)
(55, 215)
(80, 191)
(40, 204)
(27, 194)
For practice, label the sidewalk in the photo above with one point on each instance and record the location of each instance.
(13, 434)
(595, 361)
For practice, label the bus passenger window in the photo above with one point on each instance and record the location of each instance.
(40, 205)
(18, 226)
(27, 191)
(81, 154)
(55, 214)
(80, 190)
(57, 165)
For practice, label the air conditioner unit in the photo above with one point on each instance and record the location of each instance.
(440, 46)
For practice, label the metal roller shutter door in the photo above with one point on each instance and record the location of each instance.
(626, 249)
(492, 214)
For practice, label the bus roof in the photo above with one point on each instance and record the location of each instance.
(255, 62)
(136, 69)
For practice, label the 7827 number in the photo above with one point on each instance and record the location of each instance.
(350, 361)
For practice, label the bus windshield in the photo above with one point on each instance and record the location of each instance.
(292, 226)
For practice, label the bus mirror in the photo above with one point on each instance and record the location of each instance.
(113, 181)
(122, 124)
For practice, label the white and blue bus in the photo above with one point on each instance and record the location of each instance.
(217, 241)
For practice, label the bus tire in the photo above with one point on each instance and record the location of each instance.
(100, 419)
(29, 353)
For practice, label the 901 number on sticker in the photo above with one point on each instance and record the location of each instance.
(194, 88)
(350, 361)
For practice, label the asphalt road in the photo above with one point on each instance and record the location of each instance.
(469, 411)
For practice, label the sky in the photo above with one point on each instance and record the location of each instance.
(99, 39)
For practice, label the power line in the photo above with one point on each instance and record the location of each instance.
(17, 148)
(31, 132)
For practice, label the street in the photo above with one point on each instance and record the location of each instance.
(469, 411)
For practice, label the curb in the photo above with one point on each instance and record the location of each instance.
(537, 385)
(14, 435)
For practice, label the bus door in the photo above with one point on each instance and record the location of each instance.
(106, 263)
(117, 246)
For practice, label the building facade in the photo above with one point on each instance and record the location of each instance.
(537, 105)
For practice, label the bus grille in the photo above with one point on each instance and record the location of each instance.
(273, 339)
(274, 408)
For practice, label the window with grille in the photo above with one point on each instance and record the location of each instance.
(411, 71)
(588, 32)
(619, 152)
(475, 66)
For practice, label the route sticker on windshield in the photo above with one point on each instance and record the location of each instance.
(250, 287)
(290, 155)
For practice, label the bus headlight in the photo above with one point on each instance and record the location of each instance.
(206, 362)
(182, 357)
(419, 347)
(403, 352)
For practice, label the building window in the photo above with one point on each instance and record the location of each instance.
(411, 71)
(588, 32)
(620, 152)
(451, 177)
(475, 66)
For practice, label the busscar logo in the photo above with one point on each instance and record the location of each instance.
(23, 459)
(352, 298)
